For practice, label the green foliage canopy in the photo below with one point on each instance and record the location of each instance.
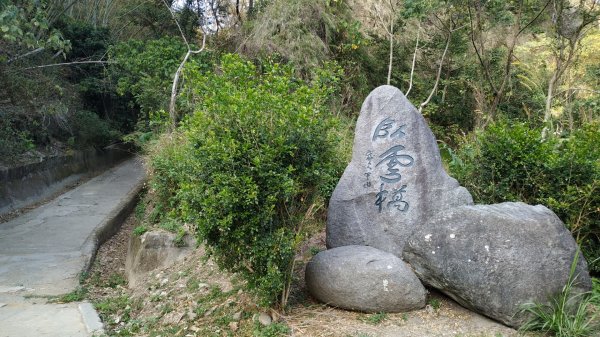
(144, 70)
(25, 24)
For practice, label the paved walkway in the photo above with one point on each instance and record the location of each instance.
(44, 251)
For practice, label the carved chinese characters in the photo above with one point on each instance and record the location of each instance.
(395, 179)
(393, 159)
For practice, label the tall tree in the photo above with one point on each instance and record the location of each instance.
(495, 56)
(570, 25)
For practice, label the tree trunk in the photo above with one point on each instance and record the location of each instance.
(439, 74)
(215, 13)
(237, 10)
(549, 98)
(389, 76)
(414, 60)
(173, 100)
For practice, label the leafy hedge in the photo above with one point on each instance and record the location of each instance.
(248, 164)
(510, 162)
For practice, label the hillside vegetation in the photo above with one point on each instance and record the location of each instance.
(246, 108)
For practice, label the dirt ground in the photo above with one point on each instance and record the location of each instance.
(193, 298)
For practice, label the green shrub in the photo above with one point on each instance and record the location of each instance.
(90, 130)
(77, 295)
(504, 163)
(247, 165)
(510, 162)
(144, 69)
(596, 291)
(375, 318)
(12, 141)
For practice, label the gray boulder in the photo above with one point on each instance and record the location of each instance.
(395, 181)
(364, 279)
(152, 250)
(494, 258)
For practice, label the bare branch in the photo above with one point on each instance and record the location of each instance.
(414, 60)
(439, 74)
(479, 57)
(534, 19)
(177, 23)
(69, 64)
(389, 76)
(30, 53)
(172, 112)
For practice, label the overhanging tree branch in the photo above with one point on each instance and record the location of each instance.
(69, 64)
(439, 73)
(30, 53)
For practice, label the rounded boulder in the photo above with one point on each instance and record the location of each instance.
(364, 278)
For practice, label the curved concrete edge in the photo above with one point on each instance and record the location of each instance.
(90, 318)
(110, 225)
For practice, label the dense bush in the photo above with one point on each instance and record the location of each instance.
(90, 130)
(144, 69)
(248, 165)
(97, 90)
(42, 107)
(510, 162)
(12, 141)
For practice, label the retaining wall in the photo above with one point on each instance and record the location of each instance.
(26, 185)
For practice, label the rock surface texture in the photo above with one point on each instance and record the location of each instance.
(154, 249)
(395, 181)
(494, 258)
(364, 279)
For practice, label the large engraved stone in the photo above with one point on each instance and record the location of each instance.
(395, 181)
(495, 258)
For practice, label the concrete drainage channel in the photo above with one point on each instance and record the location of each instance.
(43, 252)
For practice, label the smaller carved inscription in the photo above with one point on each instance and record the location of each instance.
(367, 184)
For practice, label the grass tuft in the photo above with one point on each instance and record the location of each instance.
(569, 313)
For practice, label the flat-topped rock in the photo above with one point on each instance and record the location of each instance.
(395, 181)
(364, 279)
(494, 258)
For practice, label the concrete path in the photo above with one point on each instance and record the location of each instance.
(43, 253)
